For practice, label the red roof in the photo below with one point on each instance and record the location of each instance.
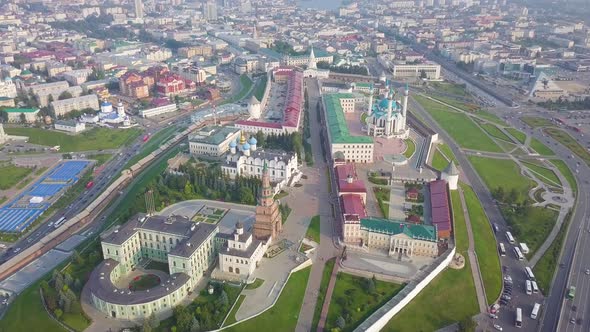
(342, 174)
(439, 202)
(353, 205)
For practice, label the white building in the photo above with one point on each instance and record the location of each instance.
(451, 175)
(388, 117)
(15, 114)
(245, 159)
(70, 126)
(158, 110)
(62, 107)
(55, 89)
(431, 70)
(239, 253)
(76, 77)
(7, 88)
(212, 140)
(254, 108)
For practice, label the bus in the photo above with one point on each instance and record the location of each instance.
(510, 237)
(535, 311)
(518, 322)
(502, 250)
(571, 293)
(518, 254)
(535, 286)
(529, 287)
(59, 222)
(529, 273)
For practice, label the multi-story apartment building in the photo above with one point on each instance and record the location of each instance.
(62, 107)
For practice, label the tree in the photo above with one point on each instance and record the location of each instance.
(467, 324)
(340, 322)
(260, 138)
(50, 99)
(3, 116)
(423, 74)
(78, 258)
(195, 326)
(65, 95)
(246, 196)
(512, 196)
(183, 318)
(23, 118)
(58, 313)
(369, 285)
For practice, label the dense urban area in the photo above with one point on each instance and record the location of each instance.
(294, 165)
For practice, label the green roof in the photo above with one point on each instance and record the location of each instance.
(363, 85)
(21, 110)
(391, 227)
(217, 136)
(336, 122)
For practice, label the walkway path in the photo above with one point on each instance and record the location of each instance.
(326, 248)
(474, 264)
(328, 298)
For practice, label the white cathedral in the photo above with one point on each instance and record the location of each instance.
(246, 159)
(387, 118)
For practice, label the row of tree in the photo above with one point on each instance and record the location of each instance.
(562, 103)
(347, 69)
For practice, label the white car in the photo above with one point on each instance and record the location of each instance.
(498, 327)
(587, 271)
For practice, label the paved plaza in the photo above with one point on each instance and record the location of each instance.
(402, 269)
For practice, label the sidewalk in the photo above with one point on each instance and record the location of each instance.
(328, 298)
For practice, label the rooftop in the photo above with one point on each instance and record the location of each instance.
(213, 135)
(336, 121)
(21, 110)
(391, 227)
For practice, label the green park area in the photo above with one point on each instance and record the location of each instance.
(438, 305)
(257, 283)
(502, 173)
(450, 88)
(485, 245)
(26, 313)
(410, 148)
(260, 87)
(489, 117)
(439, 161)
(544, 174)
(567, 172)
(355, 299)
(530, 224)
(567, 140)
(326, 274)
(152, 144)
(519, 135)
(313, 231)
(459, 126)
(495, 132)
(12, 175)
(541, 148)
(536, 122)
(545, 267)
(93, 139)
(284, 314)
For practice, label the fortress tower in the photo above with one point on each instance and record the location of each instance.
(268, 222)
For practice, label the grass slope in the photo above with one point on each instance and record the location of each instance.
(313, 231)
(11, 175)
(541, 148)
(536, 122)
(93, 139)
(565, 170)
(501, 173)
(519, 135)
(495, 132)
(485, 245)
(283, 315)
(567, 140)
(545, 267)
(439, 162)
(544, 174)
(322, 293)
(411, 148)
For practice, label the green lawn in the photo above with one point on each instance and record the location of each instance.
(567, 140)
(100, 158)
(364, 117)
(458, 125)
(501, 173)
(313, 231)
(536, 122)
(322, 293)
(533, 227)
(485, 245)
(93, 139)
(438, 305)
(565, 171)
(519, 135)
(545, 267)
(489, 116)
(541, 148)
(410, 148)
(351, 300)
(447, 152)
(11, 175)
(382, 195)
(143, 282)
(450, 88)
(284, 314)
(231, 318)
(257, 283)
(439, 162)
(544, 174)
(260, 87)
(495, 132)
(26, 313)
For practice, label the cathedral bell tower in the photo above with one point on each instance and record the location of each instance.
(268, 223)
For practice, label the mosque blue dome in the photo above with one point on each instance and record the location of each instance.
(384, 103)
(252, 140)
(106, 103)
(233, 144)
(246, 146)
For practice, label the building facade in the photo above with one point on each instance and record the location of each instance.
(212, 141)
(239, 253)
(70, 126)
(387, 118)
(62, 107)
(16, 115)
(158, 110)
(431, 70)
(268, 224)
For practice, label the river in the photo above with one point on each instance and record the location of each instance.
(320, 4)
